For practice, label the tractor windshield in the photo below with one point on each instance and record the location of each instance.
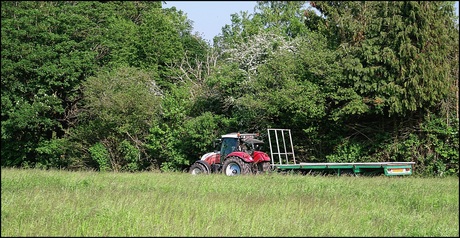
(228, 146)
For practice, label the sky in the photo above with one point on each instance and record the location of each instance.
(210, 16)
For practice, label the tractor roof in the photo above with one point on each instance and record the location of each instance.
(253, 141)
(247, 137)
(240, 135)
(231, 135)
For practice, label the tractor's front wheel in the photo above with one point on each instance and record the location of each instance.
(198, 168)
(234, 166)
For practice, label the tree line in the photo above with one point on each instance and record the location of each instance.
(128, 86)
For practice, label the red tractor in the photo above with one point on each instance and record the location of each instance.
(237, 154)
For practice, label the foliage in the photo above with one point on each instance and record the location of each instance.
(45, 55)
(346, 152)
(433, 146)
(100, 154)
(200, 132)
(387, 54)
(178, 140)
(126, 86)
(120, 107)
(392, 55)
(284, 17)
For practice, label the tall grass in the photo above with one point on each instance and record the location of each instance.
(60, 203)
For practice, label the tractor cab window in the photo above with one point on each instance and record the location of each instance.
(228, 146)
(246, 147)
(252, 145)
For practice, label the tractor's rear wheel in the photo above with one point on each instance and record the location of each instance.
(267, 166)
(234, 166)
(264, 167)
(198, 168)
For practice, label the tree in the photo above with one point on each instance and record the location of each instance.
(46, 53)
(120, 107)
(392, 53)
(395, 75)
(284, 17)
(50, 48)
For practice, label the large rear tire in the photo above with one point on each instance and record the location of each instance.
(198, 168)
(235, 166)
(264, 167)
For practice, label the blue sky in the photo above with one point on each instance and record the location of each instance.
(210, 16)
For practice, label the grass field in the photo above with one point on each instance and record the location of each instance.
(61, 203)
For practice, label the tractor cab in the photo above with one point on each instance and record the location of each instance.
(239, 142)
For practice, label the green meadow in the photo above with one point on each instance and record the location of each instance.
(63, 203)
